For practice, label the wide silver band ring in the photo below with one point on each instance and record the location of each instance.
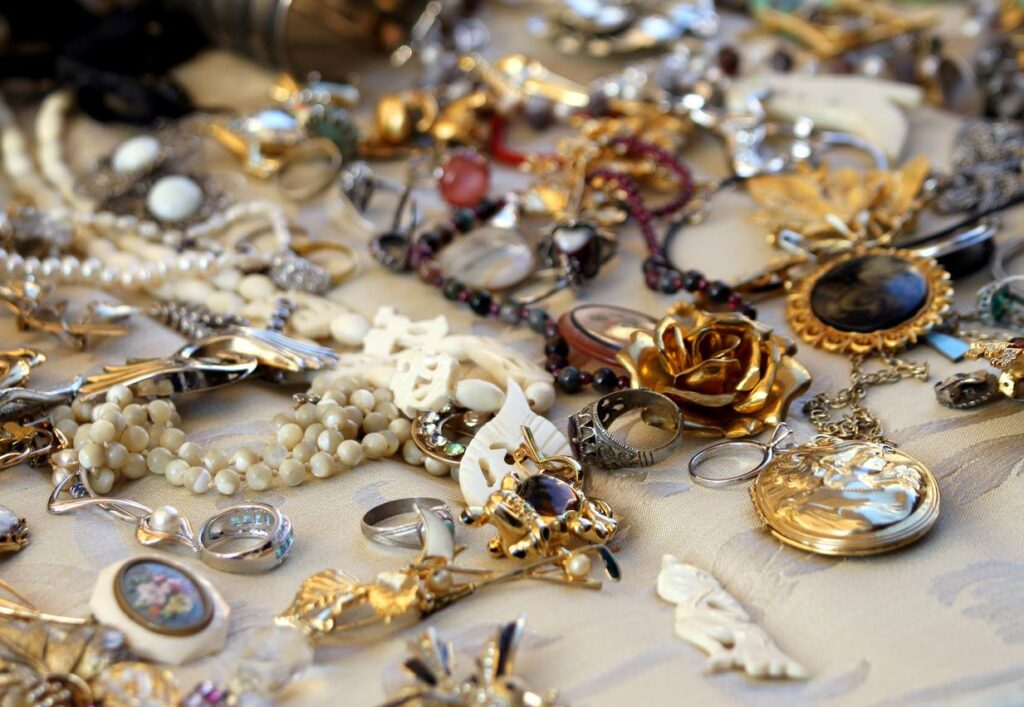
(405, 534)
(259, 521)
(594, 445)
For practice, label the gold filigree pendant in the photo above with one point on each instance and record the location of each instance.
(870, 300)
(846, 497)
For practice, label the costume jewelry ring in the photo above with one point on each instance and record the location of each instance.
(405, 534)
(594, 445)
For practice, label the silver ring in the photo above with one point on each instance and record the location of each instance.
(594, 445)
(246, 520)
(722, 448)
(406, 534)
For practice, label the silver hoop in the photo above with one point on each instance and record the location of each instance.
(723, 448)
(406, 534)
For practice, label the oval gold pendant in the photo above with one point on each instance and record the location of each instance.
(839, 497)
(871, 300)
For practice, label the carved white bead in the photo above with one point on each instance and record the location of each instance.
(423, 381)
(479, 395)
(392, 331)
(174, 198)
(225, 303)
(349, 329)
(292, 472)
(226, 481)
(193, 290)
(259, 477)
(310, 323)
(257, 287)
(541, 396)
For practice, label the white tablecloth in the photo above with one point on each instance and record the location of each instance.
(942, 621)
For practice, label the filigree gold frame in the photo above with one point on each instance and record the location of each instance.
(806, 324)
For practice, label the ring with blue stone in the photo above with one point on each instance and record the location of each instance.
(231, 527)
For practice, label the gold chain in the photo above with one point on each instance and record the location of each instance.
(858, 422)
(955, 325)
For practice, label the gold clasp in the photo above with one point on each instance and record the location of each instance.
(561, 466)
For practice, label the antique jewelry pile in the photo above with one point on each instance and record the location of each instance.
(809, 106)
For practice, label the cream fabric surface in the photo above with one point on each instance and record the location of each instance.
(940, 622)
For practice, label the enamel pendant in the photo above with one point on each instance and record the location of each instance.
(168, 613)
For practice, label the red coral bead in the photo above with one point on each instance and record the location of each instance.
(465, 178)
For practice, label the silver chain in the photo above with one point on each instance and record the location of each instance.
(859, 422)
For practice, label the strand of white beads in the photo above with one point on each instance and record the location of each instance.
(344, 423)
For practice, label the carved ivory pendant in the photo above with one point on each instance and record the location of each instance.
(841, 497)
(711, 619)
(485, 462)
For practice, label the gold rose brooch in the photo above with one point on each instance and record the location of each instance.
(729, 375)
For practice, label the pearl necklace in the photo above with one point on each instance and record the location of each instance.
(341, 422)
(125, 252)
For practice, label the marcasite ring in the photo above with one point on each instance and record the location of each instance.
(405, 534)
(594, 445)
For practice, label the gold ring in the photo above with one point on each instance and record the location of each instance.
(313, 150)
(325, 254)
